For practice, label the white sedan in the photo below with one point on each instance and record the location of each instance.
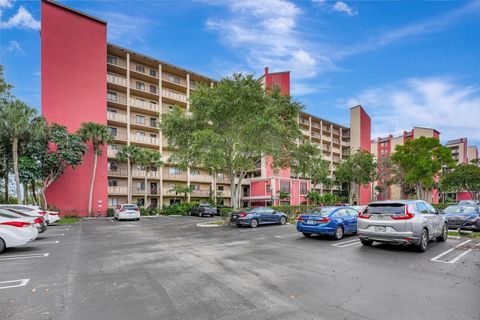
(15, 231)
(127, 212)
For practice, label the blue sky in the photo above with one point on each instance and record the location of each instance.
(409, 63)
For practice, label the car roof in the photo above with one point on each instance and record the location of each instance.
(394, 201)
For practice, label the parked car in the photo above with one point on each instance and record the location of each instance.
(335, 221)
(40, 224)
(358, 208)
(127, 212)
(52, 215)
(257, 216)
(407, 222)
(202, 210)
(28, 209)
(15, 231)
(463, 217)
(469, 203)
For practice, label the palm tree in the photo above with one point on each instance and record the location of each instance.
(149, 158)
(181, 189)
(17, 123)
(131, 154)
(98, 135)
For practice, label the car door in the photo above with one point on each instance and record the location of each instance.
(428, 218)
(437, 219)
(353, 215)
(339, 217)
(195, 210)
(271, 216)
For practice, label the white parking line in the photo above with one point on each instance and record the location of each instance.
(13, 283)
(284, 236)
(348, 243)
(25, 256)
(436, 259)
(48, 242)
(61, 229)
(51, 235)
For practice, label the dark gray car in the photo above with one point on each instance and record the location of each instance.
(405, 222)
(463, 217)
(202, 210)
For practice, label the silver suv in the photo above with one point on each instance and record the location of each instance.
(404, 222)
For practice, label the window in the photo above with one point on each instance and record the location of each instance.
(194, 172)
(174, 79)
(141, 185)
(153, 135)
(220, 176)
(174, 171)
(113, 131)
(140, 68)
(140, 119)
(112, 110)
(112, 166)
(195, 186)
(220, 188)
(422, 208)
(285, 186)
(153, 122)
(112, 60)
(112, 146)
(303, 188)
(112, 202)
(112, 96)
(430, 208)
(112, 183)
(153, 73)
(140, 86)
(153, 89)
(140, 134)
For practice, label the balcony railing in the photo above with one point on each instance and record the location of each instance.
(112, 153)
(177, 177)
(116, 61)
(117, 117)
(145, 139)
(142, 173)
(117, 190)
(201, 193)
(140, 191)
(120, 136)
(118, 172)
(200, 178)
(146, 123)
(174, 95)
(144, 105)
(116, 79)
(117, 99)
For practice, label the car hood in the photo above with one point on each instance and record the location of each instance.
(462, 214)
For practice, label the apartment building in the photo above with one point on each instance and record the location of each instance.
(472, 153)
(459, 149)
(384, 147)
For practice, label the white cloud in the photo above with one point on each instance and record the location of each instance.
(266, 33)
(22, 19)
(126, 28)
(437, 103)
(6, 3)
(341, 6)
(13, 47)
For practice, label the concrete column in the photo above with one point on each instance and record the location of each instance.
(129, 172)
(160, 135)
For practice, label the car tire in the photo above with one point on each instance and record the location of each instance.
(422, 246)
(2, 245)
(254, 223)
(200, 214)
(283, 220)
(444, 235)
(307, 235)
(367, 243)
(338, 233)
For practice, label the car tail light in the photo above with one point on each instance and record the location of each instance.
(38, 220)
(324, 219)
(18, 224)
(362, 215)
(42, 213)
(53, 213)
(137, 209)
(300, 219)
(408, 215)
(242, 214)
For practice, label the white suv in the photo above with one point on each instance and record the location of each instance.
(127, 212)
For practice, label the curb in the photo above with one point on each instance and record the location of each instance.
(208, 225)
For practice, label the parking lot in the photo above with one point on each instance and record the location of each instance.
(169, 268)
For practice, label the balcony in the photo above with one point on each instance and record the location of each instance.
(145, 140)
(118, 173)
(120, 136)
(116, 61)
(316, 135)
(117, 117)
(306, 132)
(149, 90)
(336, 131)
(336, 150)
(116, 80)
(336, 140)
(142, 173)
(174, 96)
(117, 190)
(140, 191)
(116, 99)
(223, 194)
(111, 153)
(147, 124)
(201, 193)
(175, 177)
(200, 178)
(144, 105)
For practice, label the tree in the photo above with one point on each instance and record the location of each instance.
(356, 170)
(421, 161)
(307, 162)
(63, 150)
(282, 195)
(129, 154)
(17, 119)
(465, 177)
(314, 197)
(231, 127)
(180, 189)
(149, 159)
(97, 135)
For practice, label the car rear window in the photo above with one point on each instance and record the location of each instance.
(385, 208)
(130, 207)
(321, 211)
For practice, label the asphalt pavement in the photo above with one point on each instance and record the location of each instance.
(169, 268)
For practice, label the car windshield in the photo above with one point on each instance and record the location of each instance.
(130, 207)
(385, 208)
(325, 211)
(453, 209)
(467, 202)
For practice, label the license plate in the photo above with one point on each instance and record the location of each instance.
(311, 222)
(380, 229)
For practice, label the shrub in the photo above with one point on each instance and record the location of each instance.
(177, 209)
(52, 207)
(293, 211)
(110, 212)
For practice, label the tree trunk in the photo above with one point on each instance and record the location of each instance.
(146, 189)
(25, 193)
(233, 194)
(92, 182)
(15, 169)
(44, 199)
(129, 180)
(5, 179)
(34, 194)
(418, 191)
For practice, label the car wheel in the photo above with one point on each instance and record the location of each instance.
(200, 214)
(254, 223)
(283, 220)
(2, 245)
(308, 235)
(338, 233)
(444, 235)
(422, 246)
(367, 243)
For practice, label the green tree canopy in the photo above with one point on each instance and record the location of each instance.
(307, 162)
(465, 177)
(231, 126)
(421, 160)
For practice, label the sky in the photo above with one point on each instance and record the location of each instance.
(408, 63)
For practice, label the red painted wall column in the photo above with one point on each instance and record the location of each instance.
(73, 58)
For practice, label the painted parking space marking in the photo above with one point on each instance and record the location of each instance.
(25, 256)
(285, 236)
(48, 242)
(13, 283)
(61, 229)
(51, 235)
(454, 259)
(346, 244)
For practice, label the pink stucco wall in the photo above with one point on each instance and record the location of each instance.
(73, 71)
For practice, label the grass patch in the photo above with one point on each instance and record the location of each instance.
(469, 235)
(68, 220)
